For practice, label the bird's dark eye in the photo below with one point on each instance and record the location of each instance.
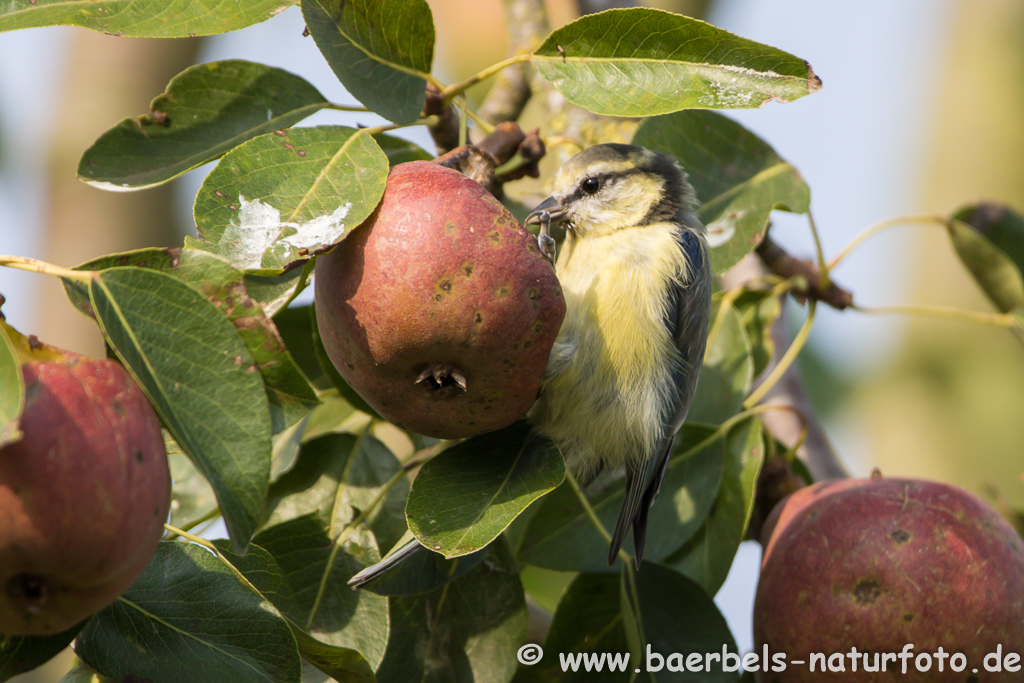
(591, 185)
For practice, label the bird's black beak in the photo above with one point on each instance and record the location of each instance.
(549, 206)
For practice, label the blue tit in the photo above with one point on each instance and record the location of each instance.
(636, 277)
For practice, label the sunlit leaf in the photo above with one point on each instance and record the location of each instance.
(758, 312)
(188, 613)
(727, 373)
(380, 51)
(463, 498)
(561, 536)
(140, 18)
(278, 197)
(207, 110)
(12, 390)
(738, 178)
(344, 470)
(644, 62)
(707, 557)
(198, 374)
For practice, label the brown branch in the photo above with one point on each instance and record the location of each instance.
(526, 22)
(785, 265)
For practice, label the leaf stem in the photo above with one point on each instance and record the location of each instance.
(591, 515)
(425, 121)
(947, 312)
(347, 107)
(36, 266)
(452, 90)
(786, 361)
(873, 230)
(194, 539)
(822, 265)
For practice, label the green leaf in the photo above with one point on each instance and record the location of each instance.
(739, 179)
(561, 536)
(289, 392)
(336, 473)
(19, 654)
(207, 110)
(198, 374)
(380, 51)
(12, 390)
(644, 62)
(421, 572)
(588, 620)
(140, 18)
(680, 619)
(463, 498)
(994, 271)
(277, 197)
(728, 371)
(274, 292)
(758, 312)
(189, 614)
(707, 557)
(317, 562)
(266, 576)
(467, 631)
(1000, 224)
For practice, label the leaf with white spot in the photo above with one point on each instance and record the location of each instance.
(279, 197)
(643, 62)
(738, 177)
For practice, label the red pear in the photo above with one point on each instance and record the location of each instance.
(439, 310)
(83, 494)
(877, 564)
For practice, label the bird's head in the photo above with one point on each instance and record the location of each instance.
(609, 187)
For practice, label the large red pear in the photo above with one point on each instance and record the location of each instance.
(439, 310)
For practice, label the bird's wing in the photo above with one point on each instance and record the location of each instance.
(686, 319)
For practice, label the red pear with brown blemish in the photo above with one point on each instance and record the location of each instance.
(439, 309)
(876, 564)
(84, 493)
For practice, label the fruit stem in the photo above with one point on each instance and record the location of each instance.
(452, 90)
(37, 266)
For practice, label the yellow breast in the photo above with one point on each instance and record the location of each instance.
(610, 369)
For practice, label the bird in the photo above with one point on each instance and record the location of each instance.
(635, 274)
(636, 277)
